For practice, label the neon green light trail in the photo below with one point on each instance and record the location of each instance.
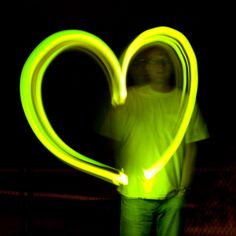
(183, 49)
(31, 98)
(38, 61)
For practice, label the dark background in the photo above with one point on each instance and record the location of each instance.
(117, 24)
(74, 88)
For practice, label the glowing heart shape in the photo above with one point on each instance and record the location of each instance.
(38, 61)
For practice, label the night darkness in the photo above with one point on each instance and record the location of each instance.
(74, 88)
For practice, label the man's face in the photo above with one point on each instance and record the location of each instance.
(158, 66)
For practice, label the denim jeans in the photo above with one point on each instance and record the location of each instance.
(143, 217)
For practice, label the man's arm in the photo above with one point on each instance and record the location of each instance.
(188, 166)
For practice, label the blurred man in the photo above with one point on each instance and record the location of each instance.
(141, 131)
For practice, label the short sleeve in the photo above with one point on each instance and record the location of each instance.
(197, 129)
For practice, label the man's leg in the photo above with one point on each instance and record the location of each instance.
(169, 220)
(136, 217)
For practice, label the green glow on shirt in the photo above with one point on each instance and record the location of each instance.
(38, 61)
(187, 57)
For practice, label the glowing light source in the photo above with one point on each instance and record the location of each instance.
(38, 61)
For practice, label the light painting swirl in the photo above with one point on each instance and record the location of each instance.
(38, 61)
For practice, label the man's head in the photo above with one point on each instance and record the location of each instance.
(158, 65)
(153, 65)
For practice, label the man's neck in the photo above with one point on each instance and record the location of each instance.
(163, 88)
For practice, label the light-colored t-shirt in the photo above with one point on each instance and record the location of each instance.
(145, 126)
